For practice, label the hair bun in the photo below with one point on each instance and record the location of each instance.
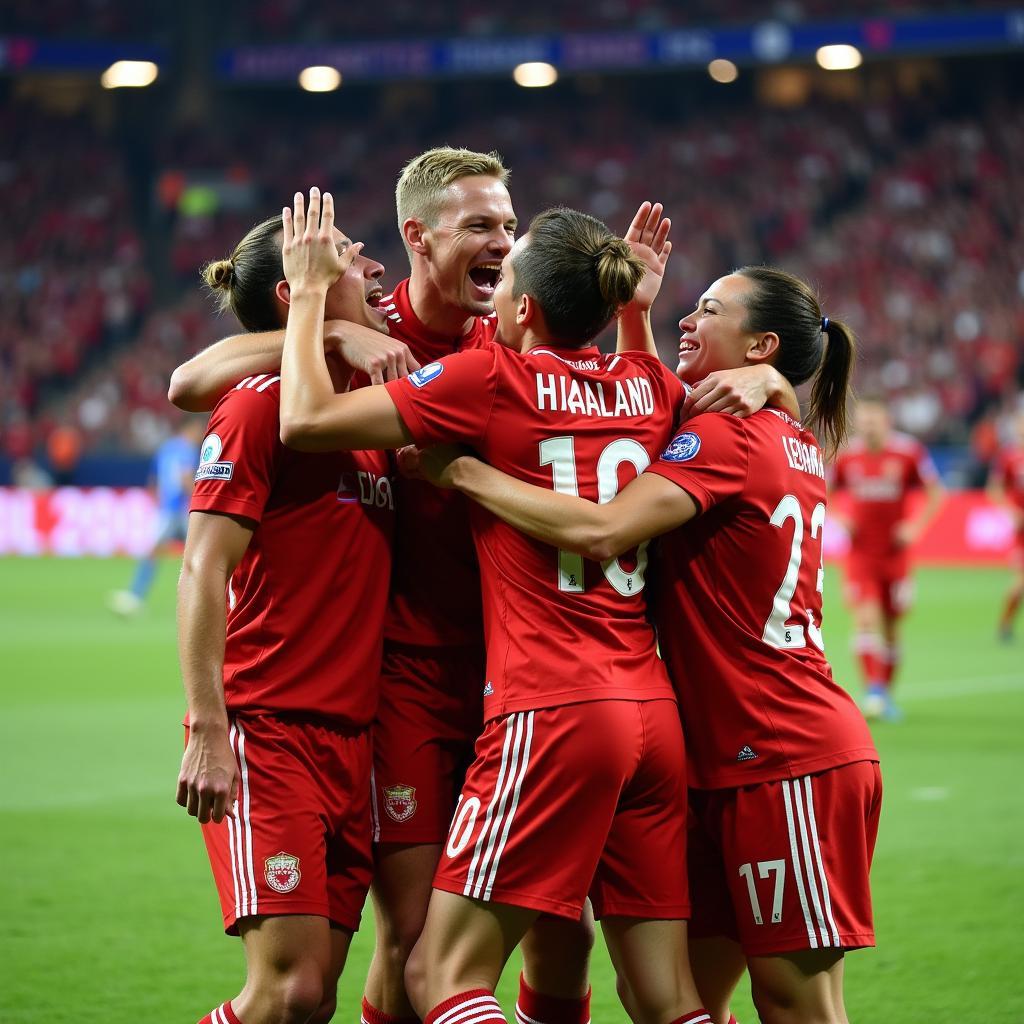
(220, 274)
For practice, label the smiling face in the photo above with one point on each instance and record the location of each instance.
(356, 295)
(474, 231)
(714, 335)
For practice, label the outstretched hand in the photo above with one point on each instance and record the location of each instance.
(311, 256)
(647, 236)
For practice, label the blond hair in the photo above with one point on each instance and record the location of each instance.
(420, 192)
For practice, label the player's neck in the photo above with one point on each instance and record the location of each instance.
(433, 312)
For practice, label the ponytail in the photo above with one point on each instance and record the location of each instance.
(830, 387)
(577, 271)
(619, 272)
(811, 346)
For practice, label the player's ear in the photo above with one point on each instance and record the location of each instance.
(763, 347)
(283, 293)
(527, 310)
(415, 234)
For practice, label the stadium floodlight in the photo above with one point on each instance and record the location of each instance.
(723, 71)
(129, 74)
(535, 74)
(320, 78)
(838, 57)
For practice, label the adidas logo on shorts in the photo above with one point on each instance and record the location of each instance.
(746, 754)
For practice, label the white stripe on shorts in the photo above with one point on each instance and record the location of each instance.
(245, 826)
(500, 812)
(813, 825)
(235, 834)
(374, 812)
(794, 857)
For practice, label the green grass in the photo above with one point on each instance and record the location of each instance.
(109, 912)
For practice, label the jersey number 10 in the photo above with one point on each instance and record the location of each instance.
(560, 454)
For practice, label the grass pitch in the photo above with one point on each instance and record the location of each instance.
(110, 914)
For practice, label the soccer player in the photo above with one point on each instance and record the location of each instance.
(879, 472)
(458, 224)
(785, 786)
(281, 608)
(1006, 487)
(571, 661)
(174, 468)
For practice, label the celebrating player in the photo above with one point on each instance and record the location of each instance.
(880, 470)
(786, 784)
(1006, 487)
(174, 469)
(458, 224)
(571, 660)
(277, 762)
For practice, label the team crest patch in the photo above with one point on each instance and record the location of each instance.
(420, 378)
(282, 872)
(400, 802)
(683, 448)
(209, 467)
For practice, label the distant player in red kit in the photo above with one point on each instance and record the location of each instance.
(878, 473)
(784, 777)
(280, 614)
(1006, 487)
(571, 661)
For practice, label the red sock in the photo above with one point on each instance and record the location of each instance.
(478, 1005)
(868, 647)
(732, 1020)
(890, 661)
(536, 1008)
(222, 1015)
(700, 1016)
(371, 1015)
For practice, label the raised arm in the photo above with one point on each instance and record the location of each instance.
(197, 385)
(645, 508)
(647, 236)
(313, 417)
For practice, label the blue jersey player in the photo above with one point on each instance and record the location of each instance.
(174, 469)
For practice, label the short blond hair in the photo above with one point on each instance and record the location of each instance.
(421, 185)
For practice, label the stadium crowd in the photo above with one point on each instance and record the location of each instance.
(896, 210)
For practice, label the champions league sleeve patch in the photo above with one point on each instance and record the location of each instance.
(682, 449)
(422, 377)
(209, 467)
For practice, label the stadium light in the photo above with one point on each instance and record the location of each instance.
(320, 78)
(723, 71)
(838, 57)
(535, 74)
(129, 74)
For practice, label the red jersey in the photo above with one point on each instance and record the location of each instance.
(738, 605)
(306, 603)
(559, 629)
(435, 588)
(880, 484)
(1008, 469)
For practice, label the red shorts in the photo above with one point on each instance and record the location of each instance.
(429, 716)
(783, 866)
(881, 580)
(300, 839)
(575, 800)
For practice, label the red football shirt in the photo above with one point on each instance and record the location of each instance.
(879, 484)
(738, 605)
(435, 587)
(306, 604)
(1009, 471)
(559, 629)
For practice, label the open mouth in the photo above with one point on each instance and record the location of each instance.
(486, 276)
(685, 345)
(374, 296)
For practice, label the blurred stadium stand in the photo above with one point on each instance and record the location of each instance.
(898, 188)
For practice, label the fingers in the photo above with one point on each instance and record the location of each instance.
(313, 217)
(636, 227)
(666, 251)
(299, 214)
(660, 237)
(289, 228)
(377, 374)
(327, 218)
